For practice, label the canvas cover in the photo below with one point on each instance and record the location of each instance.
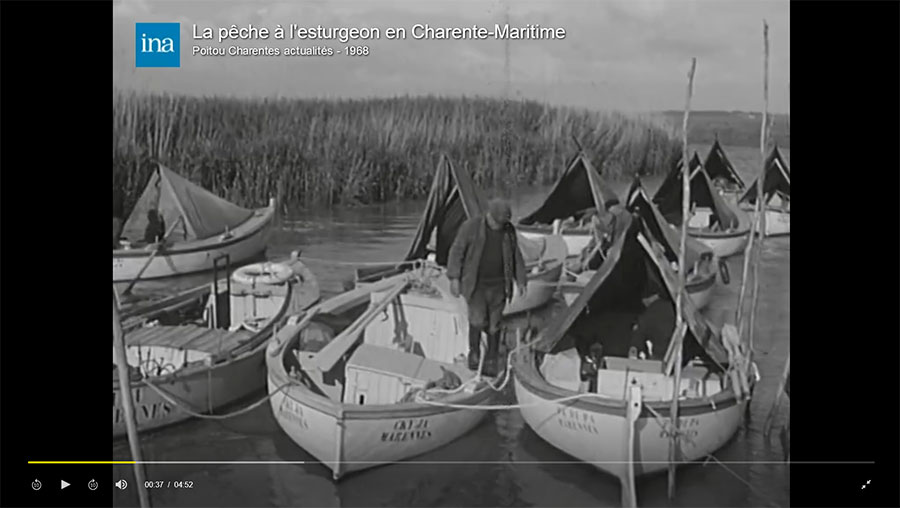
(203, 214)
(630, 270)
(718, 166)
(673, 179)
(657, 229)
(580, 187)
(702, 195)
(777, 179)
(452, 200)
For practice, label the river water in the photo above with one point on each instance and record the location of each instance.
(501, 462)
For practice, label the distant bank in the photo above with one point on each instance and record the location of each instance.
(734, 128)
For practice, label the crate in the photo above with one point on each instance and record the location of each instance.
(381, 375)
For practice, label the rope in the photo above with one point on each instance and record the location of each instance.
(742, 480)
(189, 411)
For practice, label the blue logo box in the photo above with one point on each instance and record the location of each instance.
(157, 44)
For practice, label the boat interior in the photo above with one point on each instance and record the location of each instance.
(383, 346)
(623, 333)
(210, 328)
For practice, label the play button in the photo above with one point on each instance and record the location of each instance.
(63, 484)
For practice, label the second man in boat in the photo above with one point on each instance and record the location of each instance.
(485, 266)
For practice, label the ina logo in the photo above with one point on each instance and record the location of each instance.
(157, 45)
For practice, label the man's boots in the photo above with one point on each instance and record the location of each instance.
(474, 347)
(490, 359)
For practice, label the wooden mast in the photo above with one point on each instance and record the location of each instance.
(760, 198)
(127, 403)
(678, 339)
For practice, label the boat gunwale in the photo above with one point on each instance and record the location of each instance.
(254, 225)
(256, 343)
(526, 374)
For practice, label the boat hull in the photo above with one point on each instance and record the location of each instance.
(576, 241)
(778, 222)
(723, 245)
(247, 242)
(347, 438)
(568, 426)
(538, 291)
(216, 387)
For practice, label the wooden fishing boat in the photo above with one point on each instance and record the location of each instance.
(453, 199)
(724, 176)
(722, 227)
(618, 419)
(365, 378)
(699, 259)
(199, 228)
(777, 192)
(578, 190)
(202, 350)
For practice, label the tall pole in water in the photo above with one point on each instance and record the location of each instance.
(760, 198)
(679, 306)
(127, 403)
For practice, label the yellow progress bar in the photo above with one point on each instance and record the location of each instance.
(81, 462)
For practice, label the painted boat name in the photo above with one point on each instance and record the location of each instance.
(408, 430)
(142, 411)
(293, 412)
(576, 420)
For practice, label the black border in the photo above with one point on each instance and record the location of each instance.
(56, 93)
(845, 134)
(55, 101)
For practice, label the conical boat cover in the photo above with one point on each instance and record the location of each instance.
(777, 180)
(631, 269)
(203, 214)
(656, 227)
(580, 187)
(702, 195)
(673, 179)
(718, 166)
(452, 200)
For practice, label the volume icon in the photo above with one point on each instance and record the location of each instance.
(121, 484)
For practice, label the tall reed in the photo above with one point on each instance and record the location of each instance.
(323, 153)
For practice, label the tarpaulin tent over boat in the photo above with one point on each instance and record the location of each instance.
(702, 195)
(718, 166)
(656, 226)
(453, 199)
(632, 272)
(777, 179)
(203, 214)
(673, 178)
(580, 187)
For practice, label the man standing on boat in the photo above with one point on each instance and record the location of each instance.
(484, 264)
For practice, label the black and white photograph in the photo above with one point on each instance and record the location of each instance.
(451, 253)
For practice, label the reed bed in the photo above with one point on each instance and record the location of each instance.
(317, 153)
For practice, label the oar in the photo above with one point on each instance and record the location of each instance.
(153, 254)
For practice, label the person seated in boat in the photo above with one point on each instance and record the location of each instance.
(653, 330)
(485, 265)
(156, 227)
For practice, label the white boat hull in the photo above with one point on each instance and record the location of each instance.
(725, 245)
(575, 242)
(247, 242)
(538, 291)
(599, 436)
(778, 222)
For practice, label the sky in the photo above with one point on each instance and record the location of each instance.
(626, 55)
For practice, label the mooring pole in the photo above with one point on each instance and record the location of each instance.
(127, 403)
(760, 199)
(770, 419)
(679, 306)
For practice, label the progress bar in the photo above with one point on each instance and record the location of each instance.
(421, 462)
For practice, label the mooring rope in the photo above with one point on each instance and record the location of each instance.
(183, 406)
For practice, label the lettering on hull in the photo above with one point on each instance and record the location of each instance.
(293, 412)
(415, 429)
(574, 419)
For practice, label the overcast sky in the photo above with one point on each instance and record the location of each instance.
(630, 55)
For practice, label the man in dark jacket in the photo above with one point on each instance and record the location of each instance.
(484, 265)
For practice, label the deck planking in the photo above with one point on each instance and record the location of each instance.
(199, 338)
